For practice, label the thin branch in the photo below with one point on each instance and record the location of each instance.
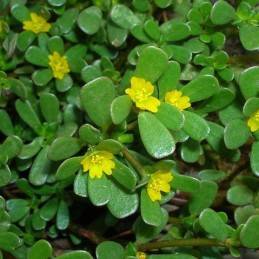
(195, 242)
(88, 234)
(134, 162)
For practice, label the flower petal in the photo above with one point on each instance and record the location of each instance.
(154, 195)
(95, 172)
(150, 104)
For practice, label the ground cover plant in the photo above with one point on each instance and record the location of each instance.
(129, 129)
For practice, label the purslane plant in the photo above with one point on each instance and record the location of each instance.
(129, 129)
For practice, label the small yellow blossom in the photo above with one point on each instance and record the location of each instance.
(141, 255)
(97, 163)
(177, 99)
(253, 121)
(159, 182)
(140, 92)
(59, 65)
(37, 24)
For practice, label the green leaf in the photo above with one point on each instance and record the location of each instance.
(67, 20)
(37, 222)
(122, 203)
(9, 241)
(251, 106)
(100, 90)
(56, 43)
(17, 209)
(6, 125)
(123, 16)
(5, 177)
(57, 3)
(120, 109)
(239, 195)
(195, 126)
(110, 145)
(242, 214)
(163, 3)
(4, 220)
(212, 175)
(90, 134)
(179, 53)
(212, 223)
(40, 250)
(191, 151)
(151, 212)
(170, 116)
(185, 183)
(218, 101)
(42, 77)
(11, 147)
(37, 56)
(116, 35)
(41, 168)
(234, 138)
(151, 28)
(157, 140)
(139, 33)
(203, 197)
(76, 57)
(80, 184)
(28, 115)
(247, 34)
(99, 190)
(222, 13)
(31, 149)
(75, 255)
(249, 82)
(151, 64)
(145, 233)
(25, 39)
(20, 12)
(254, 158)
(90, 72)
(124, 175)
(18, 88)
(68, 168)
(141, 5)
(90, 20)
(202, 87)
(49, 209)
(169, 79)
(63, 218)
(59, 148)
(175, 30)
(249, 235)
(49, 105)
(64, 84)
(109, 249)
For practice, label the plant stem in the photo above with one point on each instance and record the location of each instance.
(175, 221)
(133, 161)
(88, 234)
(244, 59)
(132, 125)
(181, 243)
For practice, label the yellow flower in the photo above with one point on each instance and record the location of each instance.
(59, 65)
(37, 24)
(140, 92)
(141, 255)
(158, 182)
(253, 121)
(97, 163)
(177, 99)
